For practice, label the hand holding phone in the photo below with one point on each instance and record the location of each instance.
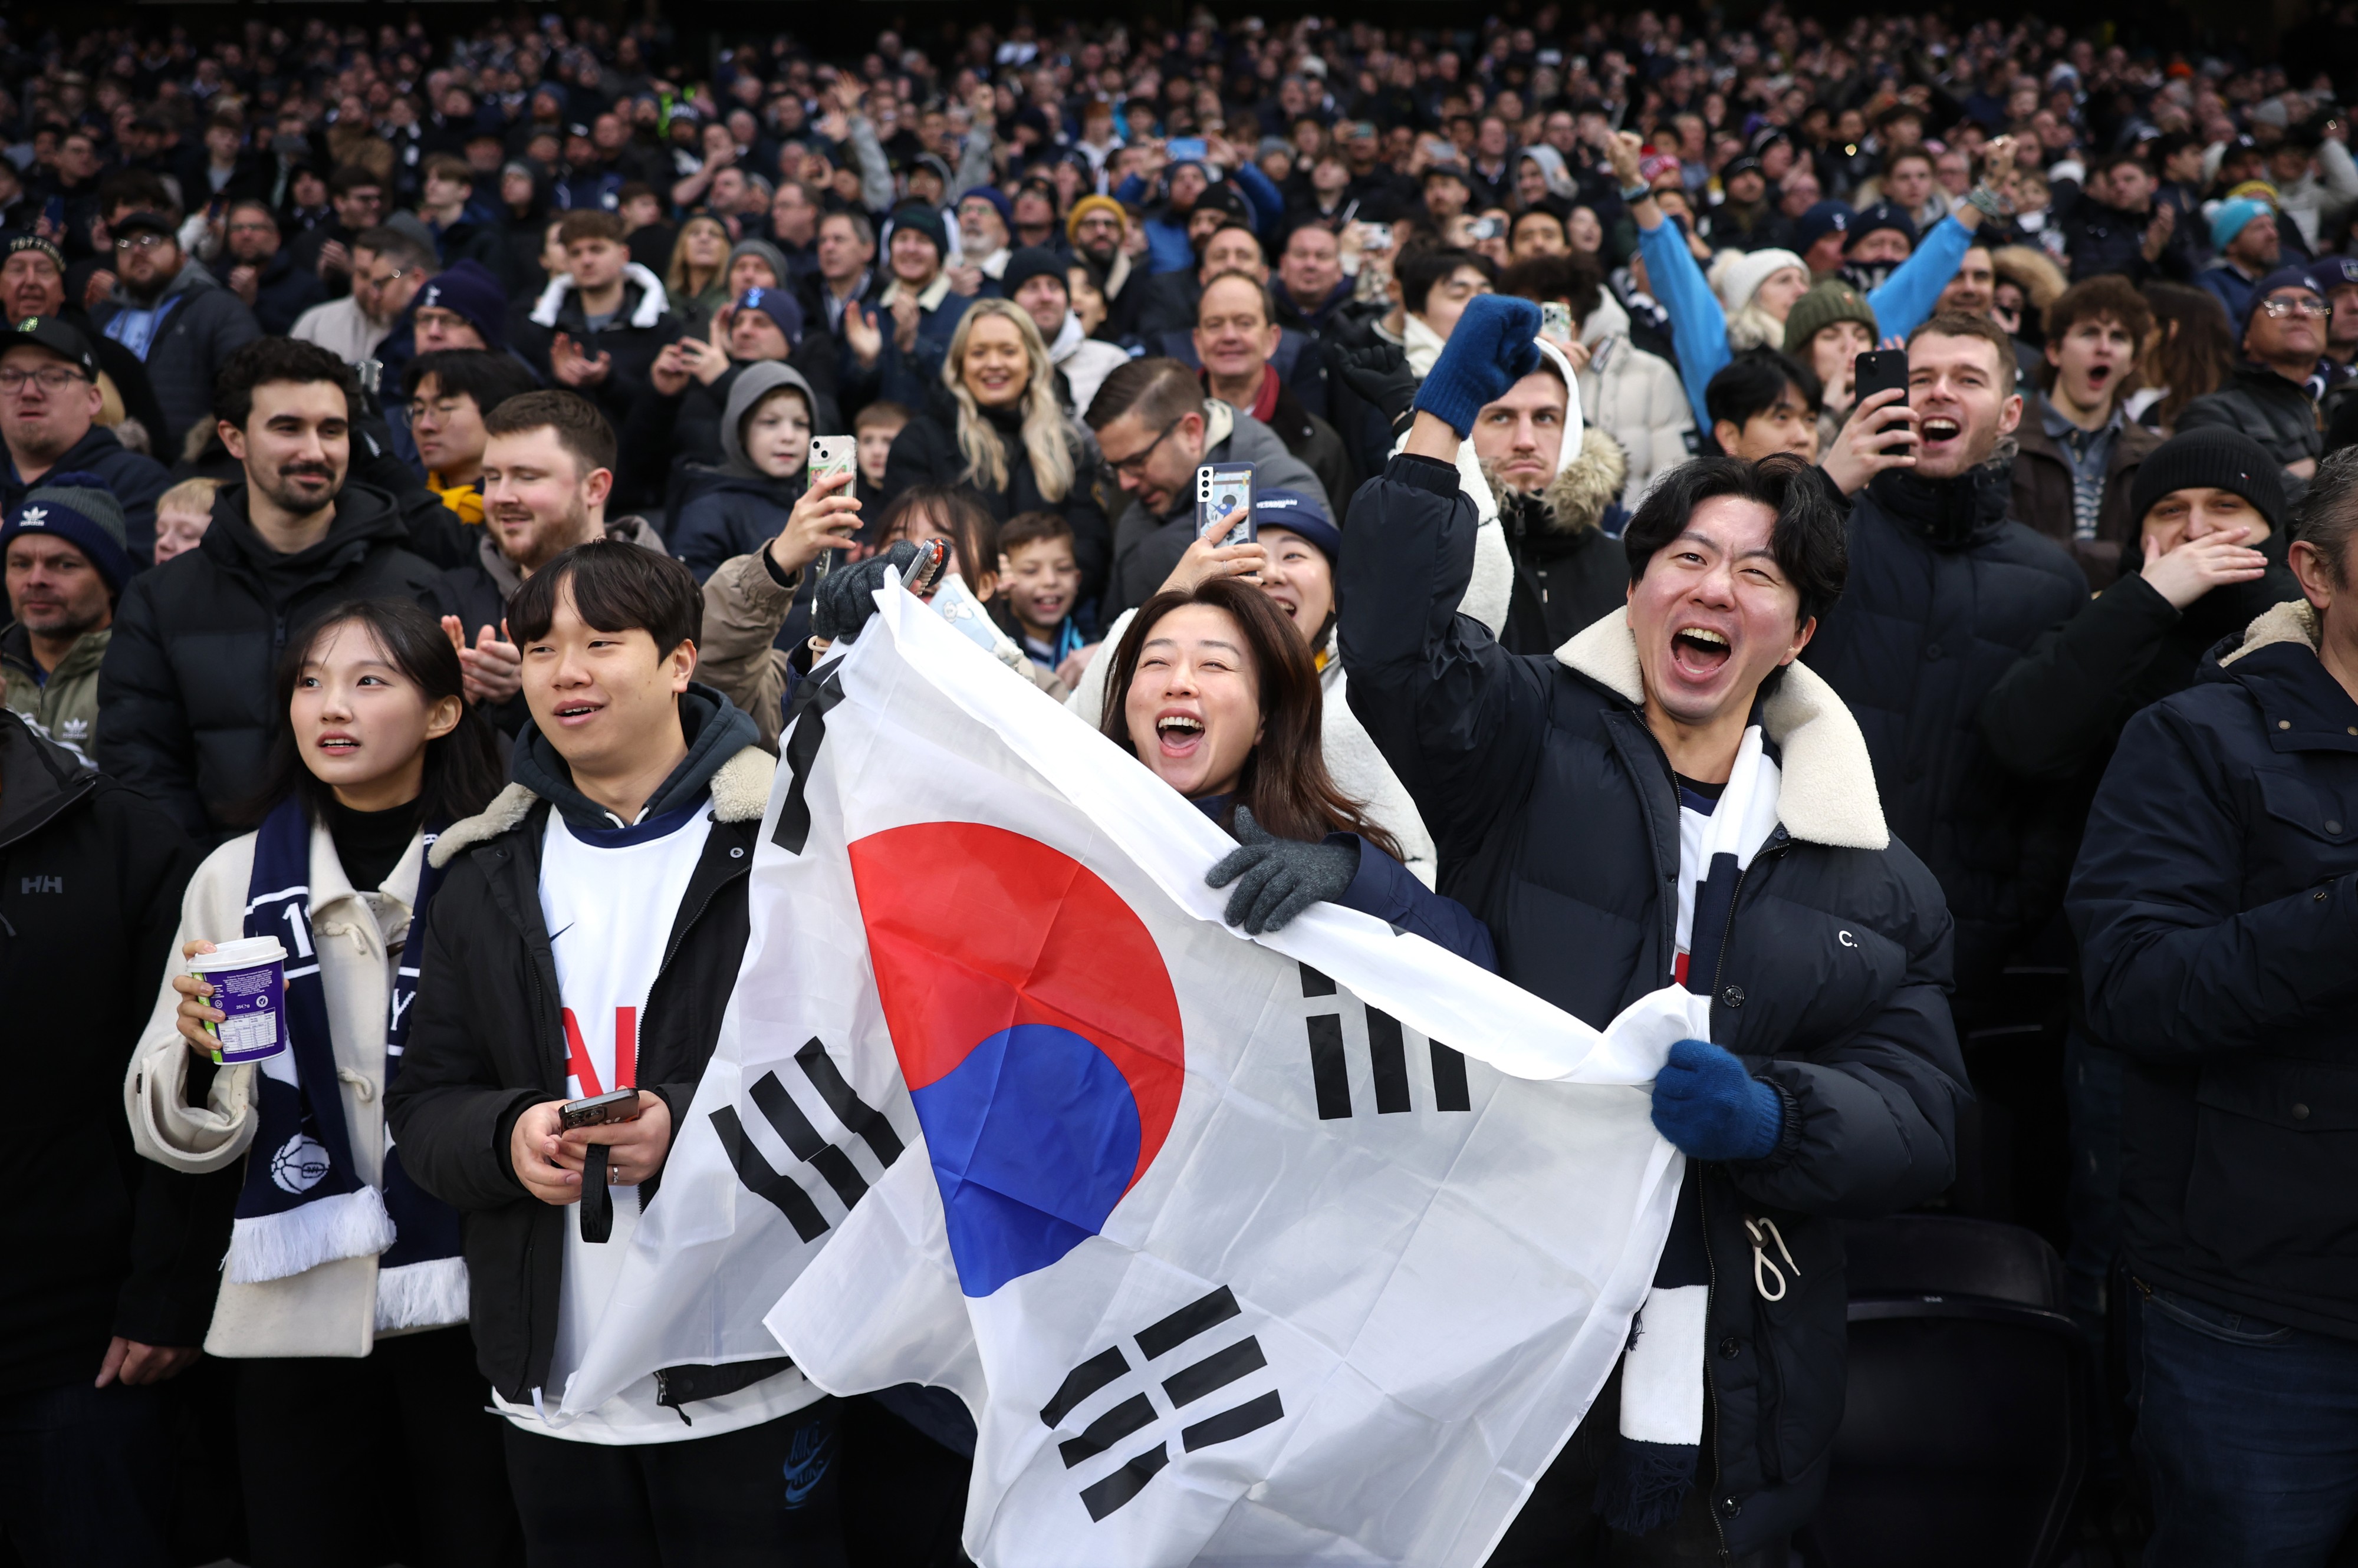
(830, 456)
(1880, 369)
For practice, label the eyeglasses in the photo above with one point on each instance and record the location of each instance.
(1135, 464)
(2280, 308)
(142, 242)
(53, 379)
(393, 276)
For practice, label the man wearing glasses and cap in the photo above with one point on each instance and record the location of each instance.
(33, 283)
(182, 323)
(2273, 395)
(49, 413)
(1745, 218)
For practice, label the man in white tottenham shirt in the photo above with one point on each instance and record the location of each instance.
(598, 919)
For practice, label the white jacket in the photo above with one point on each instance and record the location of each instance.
(331, 1310)
(1635, 397)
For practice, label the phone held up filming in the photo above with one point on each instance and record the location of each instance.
(1221, 489)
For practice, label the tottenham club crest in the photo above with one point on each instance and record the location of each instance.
(299, 1164)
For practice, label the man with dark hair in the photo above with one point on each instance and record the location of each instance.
(1945, 593)
(547, 470)
(353, 327)
(2114, 225)
(261, 272)
(181, 324)
(2078, 452)
(447, 194)
(2213, 902)
(325, 250)
(1155, 428)
(187, 685)
(601, 902)
(450, 392)
(2272, 397)
(1571, 796)
(50, 404)
(1763, 402)
(597, 329)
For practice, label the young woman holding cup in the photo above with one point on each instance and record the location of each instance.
(344, 1288)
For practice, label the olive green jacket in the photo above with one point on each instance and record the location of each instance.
(65, 707)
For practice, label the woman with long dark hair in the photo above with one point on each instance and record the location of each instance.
(344, 1288)
(1215, 691)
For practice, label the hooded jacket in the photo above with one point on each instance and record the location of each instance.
(737, 509)
(199, 325)
(187, 685)
(1555, 816)
(1146, 546)
(2216, 904)
(667, 439)
(487, 1038)
(99, 1242)
(1635, 397)
(132, 478)
(1944, 594)
(926, 451)
(1568, 572)
(643, 324)
(64, 706)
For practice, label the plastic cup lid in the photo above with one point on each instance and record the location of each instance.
(246, 952)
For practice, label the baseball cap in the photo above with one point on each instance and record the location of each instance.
(55, 334)
(144, 222)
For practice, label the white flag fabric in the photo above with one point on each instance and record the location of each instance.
(1313, 1249)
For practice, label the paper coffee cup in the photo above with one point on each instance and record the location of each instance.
(249, 979)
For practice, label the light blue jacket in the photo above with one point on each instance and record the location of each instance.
(1699, 325)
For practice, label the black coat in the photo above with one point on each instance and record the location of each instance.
(488, 1042)
(927, 452)
(632, 348)
(187, 685)
(135, 481)
(1944, 595)
(283, 292)
(207, 324)
(730, 515)
(2216, 903)
(1555, 819)
(2278, 414)
(99, 1242)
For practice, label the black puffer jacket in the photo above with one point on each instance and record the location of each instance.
(203, 325)
(99, 1242)
(488, 1039)
(187, 685)
(927, 452)
(1567, 571)
(1945, 594)
(1556, 821)
(2216, 903)
(2279, 414)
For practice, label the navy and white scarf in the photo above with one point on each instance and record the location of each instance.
(304, 1204)
(1646, 1483)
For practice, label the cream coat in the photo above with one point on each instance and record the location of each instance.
(331, 1310)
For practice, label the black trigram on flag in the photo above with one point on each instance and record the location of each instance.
(830, 1163)
(1330, 1072)
(1183, 1386)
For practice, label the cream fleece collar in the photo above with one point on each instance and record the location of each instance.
(1827, 794)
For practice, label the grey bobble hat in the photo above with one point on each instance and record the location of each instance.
(80, 509)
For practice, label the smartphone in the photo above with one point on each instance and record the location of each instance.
(1180, 149)
(925, 571)
(597, 1110)
(1375, 236)
(1882, 370)
(1486, 229)
(1556, 320)
(956, 604)
(831, 455)
(1220, 489)
(54, 211)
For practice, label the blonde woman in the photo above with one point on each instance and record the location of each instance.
(697, 278)
(994, 426)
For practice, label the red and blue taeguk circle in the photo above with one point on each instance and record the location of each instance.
(1037, 1028)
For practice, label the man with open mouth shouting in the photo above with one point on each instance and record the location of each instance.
(1946, 592)
(1668, 797)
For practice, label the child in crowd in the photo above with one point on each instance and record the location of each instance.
(876, 427)
(736, 509)
(183, 514)
(1039, 579)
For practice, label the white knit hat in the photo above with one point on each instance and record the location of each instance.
(1739, 274)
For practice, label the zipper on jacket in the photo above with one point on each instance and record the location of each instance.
(1711, 1382)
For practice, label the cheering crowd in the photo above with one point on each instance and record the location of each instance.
(1911, 465)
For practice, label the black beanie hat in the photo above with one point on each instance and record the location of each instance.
(1031, 262)
(920, 219)
(2210, 457)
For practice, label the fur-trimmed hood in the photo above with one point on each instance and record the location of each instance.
(1827, 793)
(652, 302)
(740, 793)
(1576, 498)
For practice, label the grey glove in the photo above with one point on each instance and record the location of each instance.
(847, 596)
(1277, 879)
